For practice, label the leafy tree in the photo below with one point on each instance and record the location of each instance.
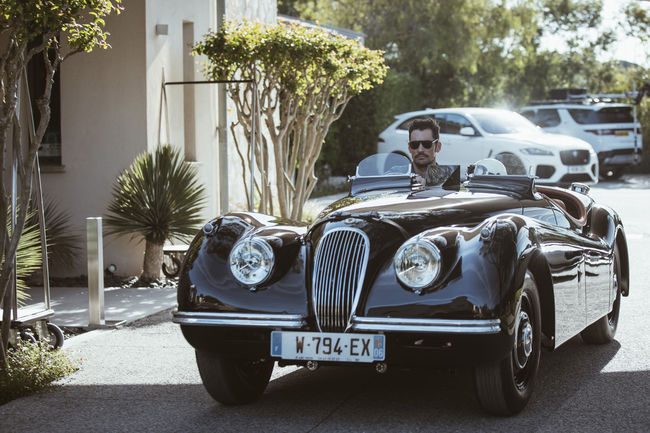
(305, 78)
(157, 198)
(471, 52)
(52, 30)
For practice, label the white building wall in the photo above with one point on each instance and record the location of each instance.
(103, 110)
(110, 108)
(165, 53)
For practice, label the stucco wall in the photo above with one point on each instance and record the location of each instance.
(110, 108)
(102, 116)
(164, 52)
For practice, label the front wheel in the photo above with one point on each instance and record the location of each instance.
(233, 381)
(512, 163)
(504, 387)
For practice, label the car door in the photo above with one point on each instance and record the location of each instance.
(459, 149)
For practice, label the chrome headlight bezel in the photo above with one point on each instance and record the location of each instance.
(430, 263)
(259, 254)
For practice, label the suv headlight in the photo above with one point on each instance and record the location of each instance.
(417, 263)
(537, 151)
(251, 261)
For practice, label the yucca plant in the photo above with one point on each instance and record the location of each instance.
(158, 197)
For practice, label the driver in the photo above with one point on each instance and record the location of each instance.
(424, 143)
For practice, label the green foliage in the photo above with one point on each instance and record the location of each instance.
(637, 21)
(63, 244)
(446, 53)
(292, 55)
(32, 367)
(157, 198)
(28, 257)
(305, 78)
(28, 260)
(81, 22)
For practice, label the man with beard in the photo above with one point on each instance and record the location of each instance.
(424, 143)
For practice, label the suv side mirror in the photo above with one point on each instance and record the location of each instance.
(467, 131)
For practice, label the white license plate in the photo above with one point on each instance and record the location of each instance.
(577, 168)
(328, 346)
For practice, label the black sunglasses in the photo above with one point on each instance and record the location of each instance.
(425, 143)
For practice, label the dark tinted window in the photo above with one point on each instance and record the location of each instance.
(547, 117)
(604, 115)
(405, 124)
(453, 123)
(528, 114)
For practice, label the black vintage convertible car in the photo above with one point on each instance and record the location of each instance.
(484, 273)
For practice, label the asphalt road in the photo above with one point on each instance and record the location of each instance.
(144, 378)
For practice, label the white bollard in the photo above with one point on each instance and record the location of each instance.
(95, 253)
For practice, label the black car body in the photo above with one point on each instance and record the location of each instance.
(515, 268)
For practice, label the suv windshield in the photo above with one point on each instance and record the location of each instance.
(604, 115)
(504, 122)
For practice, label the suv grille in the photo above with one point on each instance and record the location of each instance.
(339, 268)
(574, 157)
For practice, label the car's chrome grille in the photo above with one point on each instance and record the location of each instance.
(574, 157)
(339, 268)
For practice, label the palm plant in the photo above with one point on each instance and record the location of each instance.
(157, 198)
(28, 260)
(28, 257)
(63, 243)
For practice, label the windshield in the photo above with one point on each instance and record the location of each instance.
(604, 115)
(384, 164)
(504, 122)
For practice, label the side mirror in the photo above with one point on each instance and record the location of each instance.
(467, 131)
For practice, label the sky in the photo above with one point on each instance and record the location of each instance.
(629, 49)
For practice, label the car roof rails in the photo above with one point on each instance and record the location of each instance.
(579, 95)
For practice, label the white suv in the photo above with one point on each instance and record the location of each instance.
(608, 127)
(470, 134)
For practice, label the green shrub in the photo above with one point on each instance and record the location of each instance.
(31, 368)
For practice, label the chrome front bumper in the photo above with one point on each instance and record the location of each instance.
(358, 324)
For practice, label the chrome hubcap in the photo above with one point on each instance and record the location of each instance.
(524, 340)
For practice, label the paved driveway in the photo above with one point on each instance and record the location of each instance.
(144, 378)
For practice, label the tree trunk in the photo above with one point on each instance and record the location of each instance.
(153, 259)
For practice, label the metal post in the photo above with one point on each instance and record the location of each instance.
(95, 252)
(636, 148)
(38, 189)
(253, 145)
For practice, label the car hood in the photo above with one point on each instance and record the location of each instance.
(547, 141)
(418, 211)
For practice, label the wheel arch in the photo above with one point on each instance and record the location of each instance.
(538, 266)
(621, 243)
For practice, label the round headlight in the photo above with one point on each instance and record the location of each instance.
(417, 263)
(251, 261)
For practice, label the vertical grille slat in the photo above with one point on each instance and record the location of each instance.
(339, 268)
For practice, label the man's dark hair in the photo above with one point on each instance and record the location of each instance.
(423, 123)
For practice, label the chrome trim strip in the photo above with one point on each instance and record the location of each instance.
(258, 320)
(449, 326)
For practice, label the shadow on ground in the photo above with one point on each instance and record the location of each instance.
(573, 394)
